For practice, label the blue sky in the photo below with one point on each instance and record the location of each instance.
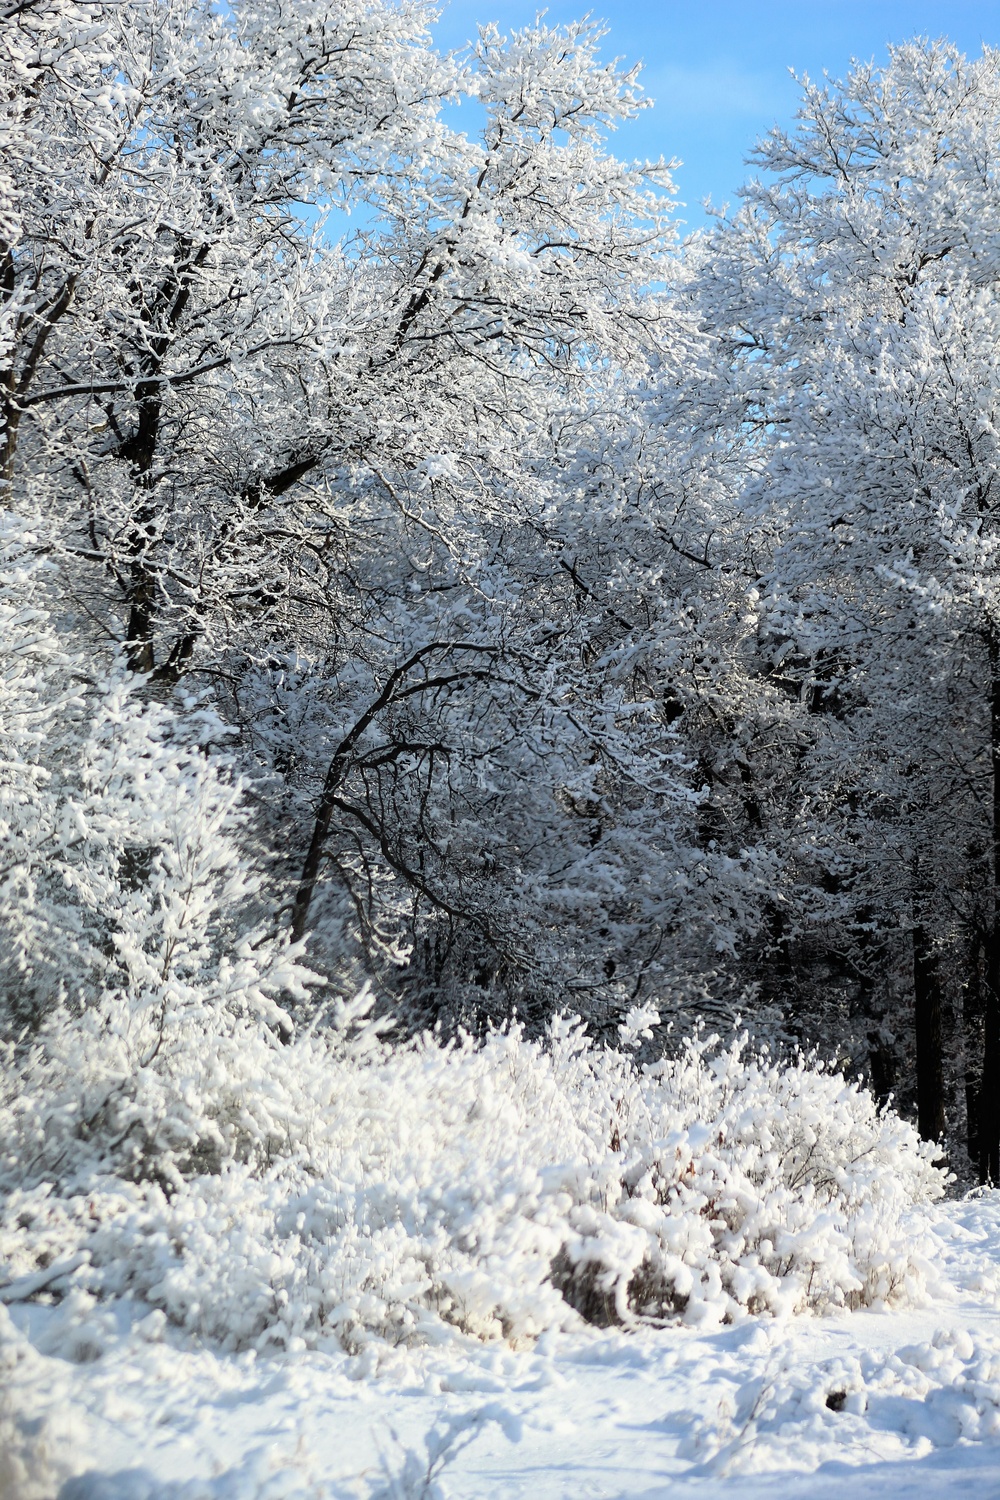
(719, 69)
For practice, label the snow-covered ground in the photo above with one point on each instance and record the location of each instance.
(110, 1403)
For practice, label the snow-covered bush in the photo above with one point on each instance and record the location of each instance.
(502, 1188)
(131, 955)
(40, 708)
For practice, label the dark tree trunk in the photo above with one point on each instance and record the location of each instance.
(871, 1004)
(927, 1026)
(139, 452)
(989, 1092)
(972, 1022)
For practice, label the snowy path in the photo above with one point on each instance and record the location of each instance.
(100, 1406)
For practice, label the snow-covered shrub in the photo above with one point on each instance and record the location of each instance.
(40, 708)
(131, 959)
(501, 1188)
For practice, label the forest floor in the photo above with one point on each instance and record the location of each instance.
(106, 1403)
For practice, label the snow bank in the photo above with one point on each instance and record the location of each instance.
(361, 1193)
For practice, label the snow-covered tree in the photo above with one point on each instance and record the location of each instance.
(382, 494)
(856, 298)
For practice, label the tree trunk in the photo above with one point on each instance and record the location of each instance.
(989, 1091)
(972, 1020)
(927, 1026)
(871, 1005)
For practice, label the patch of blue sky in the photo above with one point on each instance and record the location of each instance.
(719, 70)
